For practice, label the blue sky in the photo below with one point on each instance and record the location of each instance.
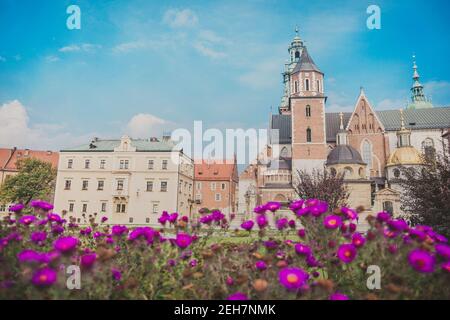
(141, 67)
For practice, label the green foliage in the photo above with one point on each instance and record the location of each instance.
(322, 185)
(426, 197)
(35, 180)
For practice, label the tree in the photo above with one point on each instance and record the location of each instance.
(35, 180)
(426, 196)
(322, 185)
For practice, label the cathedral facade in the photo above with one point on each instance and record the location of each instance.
(369, 146)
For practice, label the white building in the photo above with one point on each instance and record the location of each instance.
(129, 181)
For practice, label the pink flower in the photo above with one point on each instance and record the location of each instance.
(247, 225)
(65, 244)
(332, 222)
(347, 253)
(183, 240)
(88, 260)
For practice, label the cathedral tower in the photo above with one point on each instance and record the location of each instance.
(307, 105)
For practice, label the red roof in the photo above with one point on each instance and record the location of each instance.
(9, 157)
(208, 170)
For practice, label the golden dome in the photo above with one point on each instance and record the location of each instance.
(405, 155)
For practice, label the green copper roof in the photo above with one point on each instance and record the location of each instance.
(141, 145)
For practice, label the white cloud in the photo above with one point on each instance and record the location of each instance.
(207, 51)
(176, 18)
(129, 46)
(145, 125)
(51, 58)
(85, 47)
(17, 131)
(439, 91)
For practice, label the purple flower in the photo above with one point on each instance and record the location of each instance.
(302, 249)
(229, 281)
(318, 209)
(421, 260)
(301, 233)
(27, 220)
(346, 253)
(247, 225)
(296, 205)
(418, 234)
(398, 225)
(119, 230)
(44, 277)
(269, 244)
(29, 255)
(349, 213)
(163, 218)
(338, 296)
(332, 222)
(272, 206)
(443, 250)
(261, 220)
(38, 204)
(171, 262)
(65, 244)
(302, 211)
(38, 237)
(183, 240)
(383, 216)
(53, 217)
(116, 274)
(88, 260)
(292, 278)
(173, 217)
(261, 265)
(282, 223)
(446, 266)
(358, 240)
(57, 229)
(217, 215)
(16, 208)
(260, 209)
(291, 224)
(104, 219)
(237, 296)
(193, 263)
(206, 219)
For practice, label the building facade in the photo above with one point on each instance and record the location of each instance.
(129, 181)
(9, 159)
(303, 136)
(216, 185)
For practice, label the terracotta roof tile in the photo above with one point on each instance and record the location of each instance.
(9, 157)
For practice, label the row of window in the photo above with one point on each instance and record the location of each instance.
(118, 207)
(307, 86)
(123, 164)
(212, 185)
(217, 197)
(119, 185)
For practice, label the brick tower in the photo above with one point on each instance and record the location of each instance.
(307, 107)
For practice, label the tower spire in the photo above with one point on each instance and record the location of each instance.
(403, 135)
(341, 118)
(341, 136)
(417, 88)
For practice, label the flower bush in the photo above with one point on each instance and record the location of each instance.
(320, 255)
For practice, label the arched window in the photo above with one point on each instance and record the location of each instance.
(348, 172)
(318, 86)
(308, 135)
(396, 173)
(284, 152)
(367, 153)
(296, 86)
(307, 84)
(308, 111)
(297, 54)
(361, 172)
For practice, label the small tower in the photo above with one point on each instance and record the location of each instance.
(295, 51)
(404, 155)
(418, 98)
